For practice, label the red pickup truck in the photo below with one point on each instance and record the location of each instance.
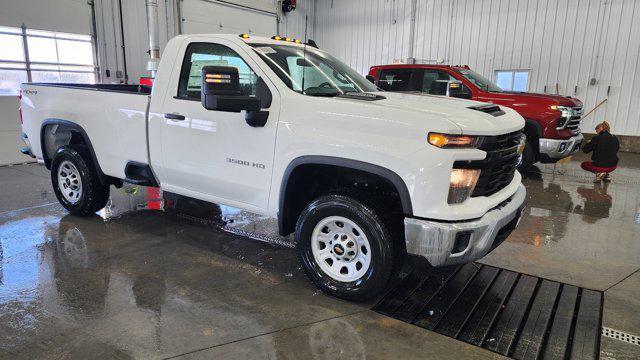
(552, 121)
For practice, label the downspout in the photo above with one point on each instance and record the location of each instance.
(178, 16)
(412, 33)
(124, 50)
(154, 43)
(94, 40)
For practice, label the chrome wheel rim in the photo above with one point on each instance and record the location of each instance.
(341, 249)
(519, 162)
(69, 182)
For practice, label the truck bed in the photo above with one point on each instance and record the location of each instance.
(123, 88)
(112, 116)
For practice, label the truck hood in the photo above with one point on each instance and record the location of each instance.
(558, 99)
(456, 111)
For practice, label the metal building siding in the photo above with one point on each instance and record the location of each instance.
(560, 41)
(293, 23)
(364, 32)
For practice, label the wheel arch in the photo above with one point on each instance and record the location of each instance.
(288, 212)
(73, 129)
(533, 130)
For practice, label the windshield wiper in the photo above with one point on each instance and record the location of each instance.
(322, 94)
(362, 96)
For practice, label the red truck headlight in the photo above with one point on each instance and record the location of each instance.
(463, 181)
(566, 113)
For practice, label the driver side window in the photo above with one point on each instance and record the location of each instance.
(199, 55)
(435, 82)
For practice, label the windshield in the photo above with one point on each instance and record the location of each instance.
(319, 75)
(479, 80)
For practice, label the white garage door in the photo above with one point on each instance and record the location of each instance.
(254, 17)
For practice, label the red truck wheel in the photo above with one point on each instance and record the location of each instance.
(527, 159)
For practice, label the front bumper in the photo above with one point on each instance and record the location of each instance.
(444, 243)
(556, 149)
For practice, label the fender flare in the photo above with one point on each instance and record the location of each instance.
(392, 177)
(77, 128)
(533, 125)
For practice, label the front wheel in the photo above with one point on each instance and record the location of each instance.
(345, 247)
(76, 183)
(527, 158)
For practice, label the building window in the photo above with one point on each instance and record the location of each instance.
(512, 80)
(47, 57)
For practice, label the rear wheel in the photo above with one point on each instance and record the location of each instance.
(345, 247)
(76, 183)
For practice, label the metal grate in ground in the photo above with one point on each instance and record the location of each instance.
(621, 335)
(513, 314)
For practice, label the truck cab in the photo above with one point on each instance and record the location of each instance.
(552, 121)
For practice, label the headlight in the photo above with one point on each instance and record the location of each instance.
(463, 181)
(566, 113)
(453, 141)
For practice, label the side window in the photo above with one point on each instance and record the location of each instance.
(434, 82)
(397, 80)
(199, 55)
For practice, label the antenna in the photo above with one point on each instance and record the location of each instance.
(304, 50)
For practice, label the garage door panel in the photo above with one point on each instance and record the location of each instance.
(210, 17)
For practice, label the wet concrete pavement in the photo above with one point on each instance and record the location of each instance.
(137, 283)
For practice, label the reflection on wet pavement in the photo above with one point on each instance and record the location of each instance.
(141, 278)
(574, 230)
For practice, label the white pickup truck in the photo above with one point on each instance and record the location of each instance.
(271, 126)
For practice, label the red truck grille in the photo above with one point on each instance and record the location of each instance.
(498, 168)
(574, 123)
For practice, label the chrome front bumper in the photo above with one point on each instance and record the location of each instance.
(444, 243)
(558, 149)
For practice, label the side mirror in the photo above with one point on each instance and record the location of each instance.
(221, 90)
(371, 78)
(457, 89)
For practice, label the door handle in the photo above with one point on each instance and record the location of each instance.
(174, 117)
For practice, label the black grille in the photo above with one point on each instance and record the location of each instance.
(498, 168)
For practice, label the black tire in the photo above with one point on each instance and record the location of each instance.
(528, 158)
(378, 234)
(94, 195)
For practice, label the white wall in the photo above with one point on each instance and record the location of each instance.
(293, 24)
(566, 42)
(200, 16)
(10, 141)
(72, 16)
